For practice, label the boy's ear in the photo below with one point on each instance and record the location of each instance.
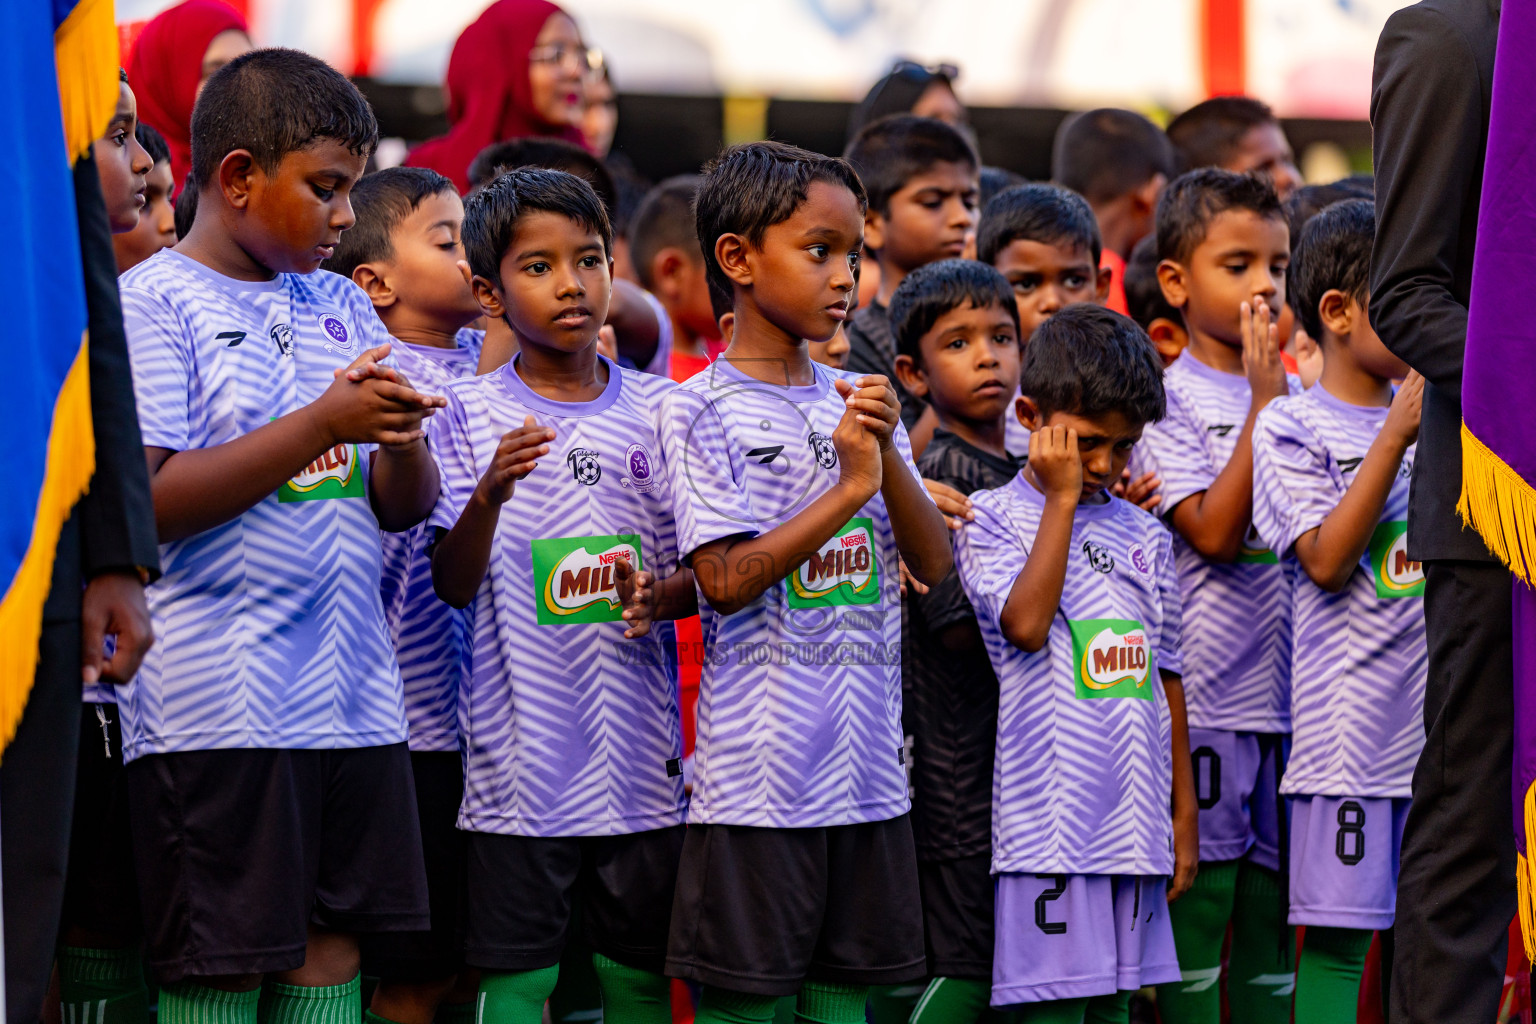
(1144, 199)
(1028, 413)
(911, 376)
(874, 230)
(1174, 281)
(1337, 312)
(235, 173)
(1101, 290)
(368, 277)
(731, 251)
(488, 295)
(1169, 338)
(666, 266)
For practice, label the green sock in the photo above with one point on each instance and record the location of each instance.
(454, 1013)
(892, 1004)
(515, 997)
(1328, 977)
(311, 1004)
(722, 1006)
(1199, 920)
(630, 994)
(1055, 1011)
(952, 1001)
(1261, 969)
(102, 986)
(187, 1002)
(826, 1002)
(784, 1010)
(1115, 1009)
(369, 1017)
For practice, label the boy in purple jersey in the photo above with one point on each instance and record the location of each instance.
(1331, 470)
(266, 730)
(404, 252)
(556, 502)
(957, 339)
(1078, 603)
(1223, 248)
(796, 499)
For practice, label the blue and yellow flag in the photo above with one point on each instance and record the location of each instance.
(58, 72)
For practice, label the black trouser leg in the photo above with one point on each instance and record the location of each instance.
(37, 796)
(1456, 890)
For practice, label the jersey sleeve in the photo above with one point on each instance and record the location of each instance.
(1170, 640)
(1293, 487)
(709, 496)
(1176, 450)
(452, 448)
(988, 558)
(160, 354)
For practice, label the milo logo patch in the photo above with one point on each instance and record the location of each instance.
(1395, 574)
(1253, 552)
(336, 474)
(845, 571)
(575, 577)
(1112, 659)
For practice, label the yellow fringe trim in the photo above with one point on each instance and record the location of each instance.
(1500, 505)
(1525, 876)
(85, 54)
(71, 461)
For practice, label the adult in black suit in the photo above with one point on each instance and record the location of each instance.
(1430, 99)
(106, 553)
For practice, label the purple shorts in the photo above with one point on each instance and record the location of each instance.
(1076, 936)
(1237, 785)
(1344, 858)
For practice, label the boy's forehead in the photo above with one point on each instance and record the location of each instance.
(968, 314)
(1112, 424)
(947, 175)
(324, 156)
(540, 230)
(827, 207)
(438, 208)
(1034, 254)
(1245, 229)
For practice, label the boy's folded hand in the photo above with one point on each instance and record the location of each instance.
(858, 452)
(1054, 460)
(638, 595)
(516, 456)
(1261, 353)
(1407, 406)
(875, 402)
(377, 407)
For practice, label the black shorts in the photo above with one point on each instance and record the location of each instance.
(759, 910)
(437, 953)
(521, 892)
(101, 893)
(958, 901)
(239, 851)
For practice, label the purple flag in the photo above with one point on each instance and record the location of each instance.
(1498, 494)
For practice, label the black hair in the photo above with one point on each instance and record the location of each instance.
(1334, 251)
(1143, 294)
(749, 188)
(992, 180)
(1209, 133)
(274, 102)
(1191, 201)
(1104, 154)
(1037, 212)
(1088, 360)
(153, 142)
(184, 212)
(491, 213)
(664, 220)
(932, 290)
(897, 92)
(1310, 200)
(122, 76)
(893, 150)
(380, 201)
(551, 154)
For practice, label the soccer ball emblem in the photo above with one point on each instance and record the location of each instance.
(821, 447)
(584, 467)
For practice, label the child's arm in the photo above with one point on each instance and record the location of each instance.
(200, 488)
(647, 600)
(1330, 552)
(402, 485)
(461, 557)
(1036, 594)
(734, 571)
(1215, 521)
(1186, 816)
(916, 522)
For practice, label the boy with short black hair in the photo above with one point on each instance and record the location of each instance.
(266, 727)
(665, 249)
(796, 496)
(1223, 249)
(1238, 134)
(1078, 603)
(957, 335)
(921, 179)
(156, 228)
(556, 502)
(1331, 470)
(1149, 307)
(404, 252)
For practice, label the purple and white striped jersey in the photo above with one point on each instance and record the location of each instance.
(1237, 633)
(431, 638)
(1357, 682)
(269, 628)
(1083, 778)
(799, 714)
(568, 728)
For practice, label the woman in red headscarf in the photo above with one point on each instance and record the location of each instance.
(175, 54)
(516, 70)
